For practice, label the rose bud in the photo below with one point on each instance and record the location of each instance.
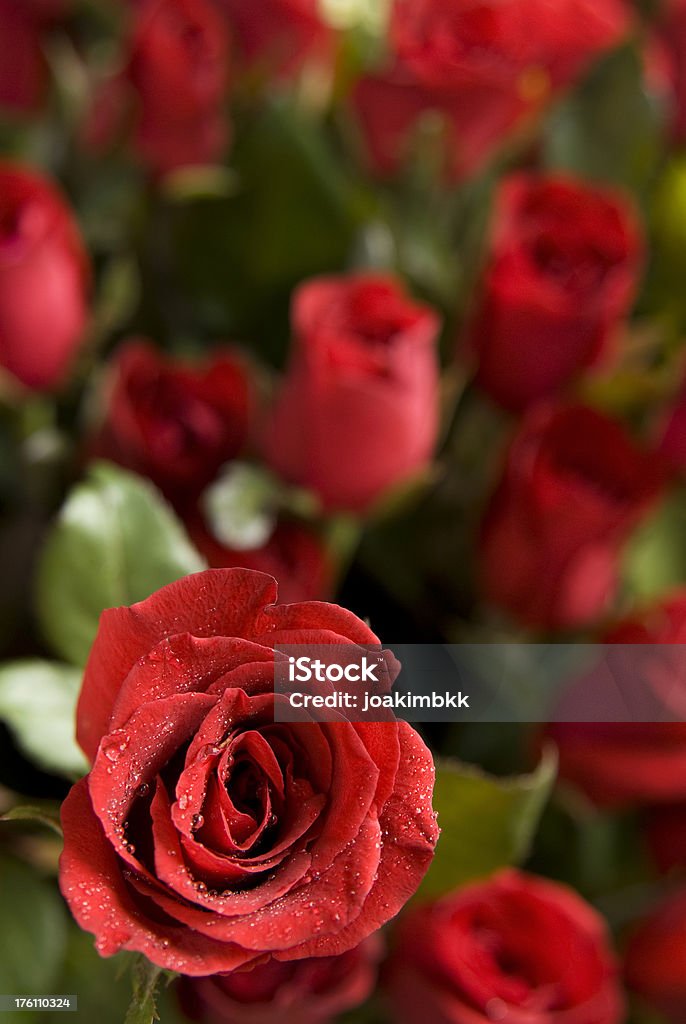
(358, 411)
(44, 280)
(573, 488)
(514, 948)
(312, 991)
(562, 273)
(276, 37)
(486, 66)
(172, 421)
(208, 834)
(639, 762)
(655, 959)
(293, 554)
(172, 88)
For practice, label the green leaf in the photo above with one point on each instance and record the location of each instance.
(32, 930)
(35, 815)
(143, 1006)
(609, 129)
(486, 822)
(655, 560)
(37, 702)
(115, 543)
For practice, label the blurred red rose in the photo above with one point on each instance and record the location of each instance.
(485, 65)
(44, 280)
(173, 87)
(563, 269)
(294, 555)
(277, 36)
(515, 948)
(174, 422)
(620, 763)
(573, 487)
(655, 959)
(313, 991)
(358, 410)
(23, 73)
(672, 433)
(665, 831)
(671, 40)
(207, 834)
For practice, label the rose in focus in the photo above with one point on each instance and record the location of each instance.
(358, 411)
(515, 948)
(207, 835)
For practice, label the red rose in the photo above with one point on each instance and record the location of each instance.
(174, 86)
(312, 991)
(174, 422)
(655, 959)
(23, 72)
(485, 65)
(515, 948)
(619, 763)
(207, 834)
(672, 434)
(671, 40)
(573, 487)
(44, 280)
(563, 269)
(277, 36)
(294, 555)
(358, 411)
(665, 832)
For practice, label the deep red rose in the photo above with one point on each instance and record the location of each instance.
(515, 948)
(358, 410)
(655, 959)
(487, 66)
(207, 834)
(294, 555)
(276, 37)
(173, 87)
(665, 833)
(564, 264)
(174, 422)
(23, 73)
(44, 280)
(672, 434)
(312, 991)
(573, 487)
(620, 763)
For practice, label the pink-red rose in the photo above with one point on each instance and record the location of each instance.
(655, 959)
(172, 90)
(358, 411)
(207, 834)
(573, 487)
(174, 422)
(486, 66)
(44, 280)
(516, 948)
(313, 991)
(562, 273)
